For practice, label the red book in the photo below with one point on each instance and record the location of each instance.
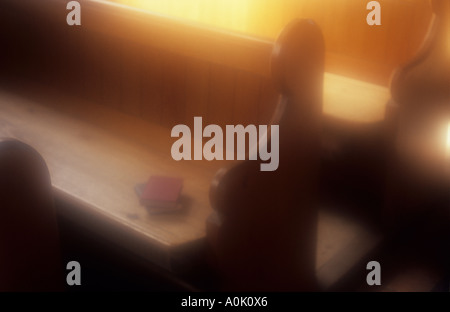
(161, 193)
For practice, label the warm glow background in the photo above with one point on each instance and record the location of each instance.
(448, 139)
(353, 47)
(257, 17)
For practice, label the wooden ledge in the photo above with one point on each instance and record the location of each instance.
(96, 170)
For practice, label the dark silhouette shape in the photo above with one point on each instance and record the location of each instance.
(29, 246)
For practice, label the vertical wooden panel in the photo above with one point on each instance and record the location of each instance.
(268, 101)
(46, 51)
(405, 37)
(94, 67)
(197, 89)
(131, 78)
(174, 100)
(76, 60)
(247, 94)
(152, 91)
(221, 95)
(64, 61)
(112, 81)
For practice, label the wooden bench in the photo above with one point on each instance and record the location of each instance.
(98, 103)
(94, 169)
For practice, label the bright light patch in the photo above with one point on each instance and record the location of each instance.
(448, 138)
(264, 18)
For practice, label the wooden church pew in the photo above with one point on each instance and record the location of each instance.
(95, 169)
(98, 103)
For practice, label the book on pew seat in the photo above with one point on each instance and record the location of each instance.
(160, 194)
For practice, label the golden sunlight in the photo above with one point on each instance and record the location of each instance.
(265, 18)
